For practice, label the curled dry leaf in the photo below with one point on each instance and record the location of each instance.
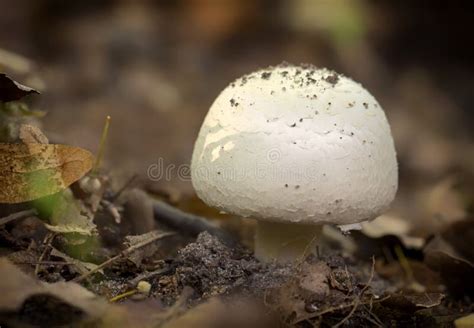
(455, 270)
(17, 287)
(31, 171)
(415, 301)
(11, 90)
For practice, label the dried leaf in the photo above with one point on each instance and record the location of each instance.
(137, 256)
(32, 134)
(17, 287)
(465, 322)
(314, 279)
(456, 271)
(77, 265)
(463, 246)
(415, 301)
(444, 202)
(30, 171)
(11, 90)
(386, 225)
(216, 313)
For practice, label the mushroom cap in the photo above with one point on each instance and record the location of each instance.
(296, 144)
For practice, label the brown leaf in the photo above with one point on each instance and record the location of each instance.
(17, 287)
(465, 322)
(411, 302)
(315, 279)
(236, 312)
(11, 90)
(137, 256)
(30, 171)
(455, 270)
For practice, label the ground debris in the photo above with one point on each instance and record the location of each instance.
(212, 268)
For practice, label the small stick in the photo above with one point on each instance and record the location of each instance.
(123, 254)
(18, 215)
(103, 138)
(189, 224)
(47, 242)
(123, 188)
(123, 295)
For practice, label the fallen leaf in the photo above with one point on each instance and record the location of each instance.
(444, 202)
(11, 90)
(411, 302)
(455, 270)
(77, 265)
(315, 279)
(17, 288)
(385, 225)
(463, 246)
(465, 322)
(144, 252)
(31, 171)
(10, 61)
(216, 313)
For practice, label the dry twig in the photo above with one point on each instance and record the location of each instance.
(123, 254)
(47, 246)
(189, 224)
(17, 216)
(358, 299)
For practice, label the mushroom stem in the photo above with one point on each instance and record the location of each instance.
(285, 242)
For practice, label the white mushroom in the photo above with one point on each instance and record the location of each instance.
(295, 147)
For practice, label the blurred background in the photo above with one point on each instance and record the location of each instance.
(156, 67)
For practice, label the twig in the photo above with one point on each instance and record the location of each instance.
(47, 245)
(189, 224)
(373, 321)
(123, 254)
(123, 188)
(336, 308)
(358, 298)
(354, 304)
(123, 295)
(18, 215)
(376, 320)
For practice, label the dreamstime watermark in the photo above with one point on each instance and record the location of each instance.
(159, 171)
(269, 168)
